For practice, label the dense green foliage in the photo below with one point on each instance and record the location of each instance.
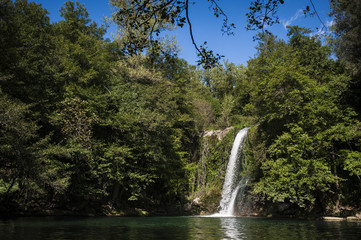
(93, 126)
(84, 126)
(347, 42)
(304, 126)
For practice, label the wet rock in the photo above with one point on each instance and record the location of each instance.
(353, 219)
(187, 207)
(220, 134)
(334, 219)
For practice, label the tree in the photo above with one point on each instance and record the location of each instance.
(227, 107)
(302, 121)
(83, 70)
(28, 91)
(152, 127)
(141, 22)
(19, 161)
(26, 47)
(347, 42)
(83, 57)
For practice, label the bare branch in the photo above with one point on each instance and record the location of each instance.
(190, 28)
(318, 16)
(226, 28)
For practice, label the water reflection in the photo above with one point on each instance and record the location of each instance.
(232, 228)
(175, 228)
(204, 228)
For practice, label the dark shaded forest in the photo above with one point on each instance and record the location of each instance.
(94, 126)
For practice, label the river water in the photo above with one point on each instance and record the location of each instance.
(173, 228)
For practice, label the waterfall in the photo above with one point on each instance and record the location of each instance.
(231, 185)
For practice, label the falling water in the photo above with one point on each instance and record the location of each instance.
(231, 186)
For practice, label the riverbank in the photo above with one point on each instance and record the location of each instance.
(172, 212)
(105, 211)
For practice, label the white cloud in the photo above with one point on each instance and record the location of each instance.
(320, 32)
(324, 30)
(297, 15)
(330, 23)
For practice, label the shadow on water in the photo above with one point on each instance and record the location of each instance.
(175, 228)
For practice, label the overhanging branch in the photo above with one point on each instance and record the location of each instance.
(190, 29)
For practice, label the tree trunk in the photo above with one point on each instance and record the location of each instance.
(337, 189)
(11, 186)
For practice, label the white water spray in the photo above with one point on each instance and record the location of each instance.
(231, 186)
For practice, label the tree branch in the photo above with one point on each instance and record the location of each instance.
(190, 29)
(225, 28)
(318, 16)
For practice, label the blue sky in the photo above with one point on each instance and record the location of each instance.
(238, 48)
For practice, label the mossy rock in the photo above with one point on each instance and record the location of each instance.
(210, 201)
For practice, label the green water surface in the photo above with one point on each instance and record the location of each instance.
(174, 228)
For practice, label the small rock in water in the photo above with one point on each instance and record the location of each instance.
(334, 219)
(353, 219)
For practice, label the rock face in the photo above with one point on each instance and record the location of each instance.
(210, 169)
(219, 133)
(197, 201)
